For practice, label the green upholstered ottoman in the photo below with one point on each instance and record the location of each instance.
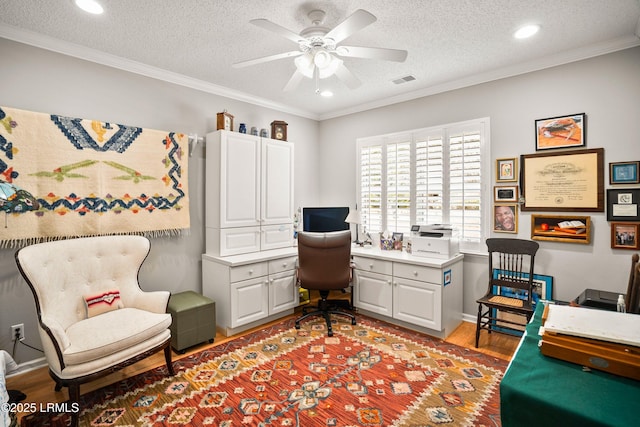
(194, 319)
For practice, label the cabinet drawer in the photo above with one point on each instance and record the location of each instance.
(249, 271)
(417, 272)
(373, 265)
(282, 264)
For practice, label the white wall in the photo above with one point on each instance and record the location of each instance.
(39, 80)
(606, 88)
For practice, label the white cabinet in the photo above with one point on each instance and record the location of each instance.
(249, 193)
(250, 289)
(420, 293)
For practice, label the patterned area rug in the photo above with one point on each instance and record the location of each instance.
(91, 177)
(370, 374)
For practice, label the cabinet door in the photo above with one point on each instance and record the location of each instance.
(249, 301)
(373, 292)
(276, 236)
(277, 182)
(283, 292)
(417, 302)
(239, 180)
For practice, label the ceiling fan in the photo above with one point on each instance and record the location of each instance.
(319, 48)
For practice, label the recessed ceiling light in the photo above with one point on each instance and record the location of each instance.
(526, 31)
(91, 6)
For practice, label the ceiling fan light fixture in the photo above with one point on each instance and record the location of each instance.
(330, 69)
(305, 65)
(326, 94)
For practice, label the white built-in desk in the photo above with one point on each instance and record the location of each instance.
(251, 289)
(417, 292)
(421, 293)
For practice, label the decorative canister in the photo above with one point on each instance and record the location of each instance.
(264, 133)
(254, 131)
(243, 128)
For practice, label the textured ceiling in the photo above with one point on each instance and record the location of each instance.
(451, 43)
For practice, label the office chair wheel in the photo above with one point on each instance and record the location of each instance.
(297, 325)
(330, 333)
(353, 321)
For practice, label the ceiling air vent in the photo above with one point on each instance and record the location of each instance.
(404, 79)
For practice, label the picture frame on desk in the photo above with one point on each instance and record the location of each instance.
(542, 290)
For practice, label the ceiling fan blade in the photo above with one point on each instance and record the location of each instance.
(372, 53)
(268, 25)
(266, 59)
(354, 22)
(293, 81)
(347, 77)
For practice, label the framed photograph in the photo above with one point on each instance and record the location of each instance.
(542, 290)
(563, 181)
(506, 170)
(624, 173)
(555, 228)
(622, 204)
(505, 218)
(505, 194)
(560, 132)
(624, 235)
(397, 241)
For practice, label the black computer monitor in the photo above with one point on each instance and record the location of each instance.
(324, 219)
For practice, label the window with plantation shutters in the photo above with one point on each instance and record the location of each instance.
(427, 176)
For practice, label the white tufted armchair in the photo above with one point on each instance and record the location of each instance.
(93, 317)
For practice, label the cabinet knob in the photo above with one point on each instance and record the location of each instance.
(371, 265)
(415, 273)
(389, 282)
(250, 272)
(284, 264)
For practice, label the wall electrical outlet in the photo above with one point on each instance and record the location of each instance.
(17, 330)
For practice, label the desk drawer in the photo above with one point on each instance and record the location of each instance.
(373, 265)
(248, 271)
(282, 264)
(417, 272)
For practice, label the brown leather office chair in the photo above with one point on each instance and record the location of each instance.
(324, 264)
(514, 259)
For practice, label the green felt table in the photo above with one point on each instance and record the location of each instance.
(537, 390)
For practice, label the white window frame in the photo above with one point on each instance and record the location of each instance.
(486, 202)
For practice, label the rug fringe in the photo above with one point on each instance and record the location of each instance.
(154, 234)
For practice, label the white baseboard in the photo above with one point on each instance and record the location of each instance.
(29, 366)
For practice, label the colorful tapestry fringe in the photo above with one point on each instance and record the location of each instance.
(91, 178)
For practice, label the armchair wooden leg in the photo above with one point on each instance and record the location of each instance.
(74, 397)
(167, 358)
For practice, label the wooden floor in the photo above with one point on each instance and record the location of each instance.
(39, 387)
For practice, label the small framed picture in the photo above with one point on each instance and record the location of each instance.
(624, 235)
(624, 173)
(505, 218)
(397, 241)
(560, 132)
(505, 194)
(507, 170)
(622, 204)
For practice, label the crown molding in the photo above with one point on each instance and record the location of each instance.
(81, 52)
(92, 55)
(497, 74)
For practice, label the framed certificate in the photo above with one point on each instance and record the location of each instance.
(570, 181)
(622, 204)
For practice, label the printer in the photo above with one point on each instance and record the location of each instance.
(434, 241)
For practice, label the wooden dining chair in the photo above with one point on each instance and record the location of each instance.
(514, 261)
